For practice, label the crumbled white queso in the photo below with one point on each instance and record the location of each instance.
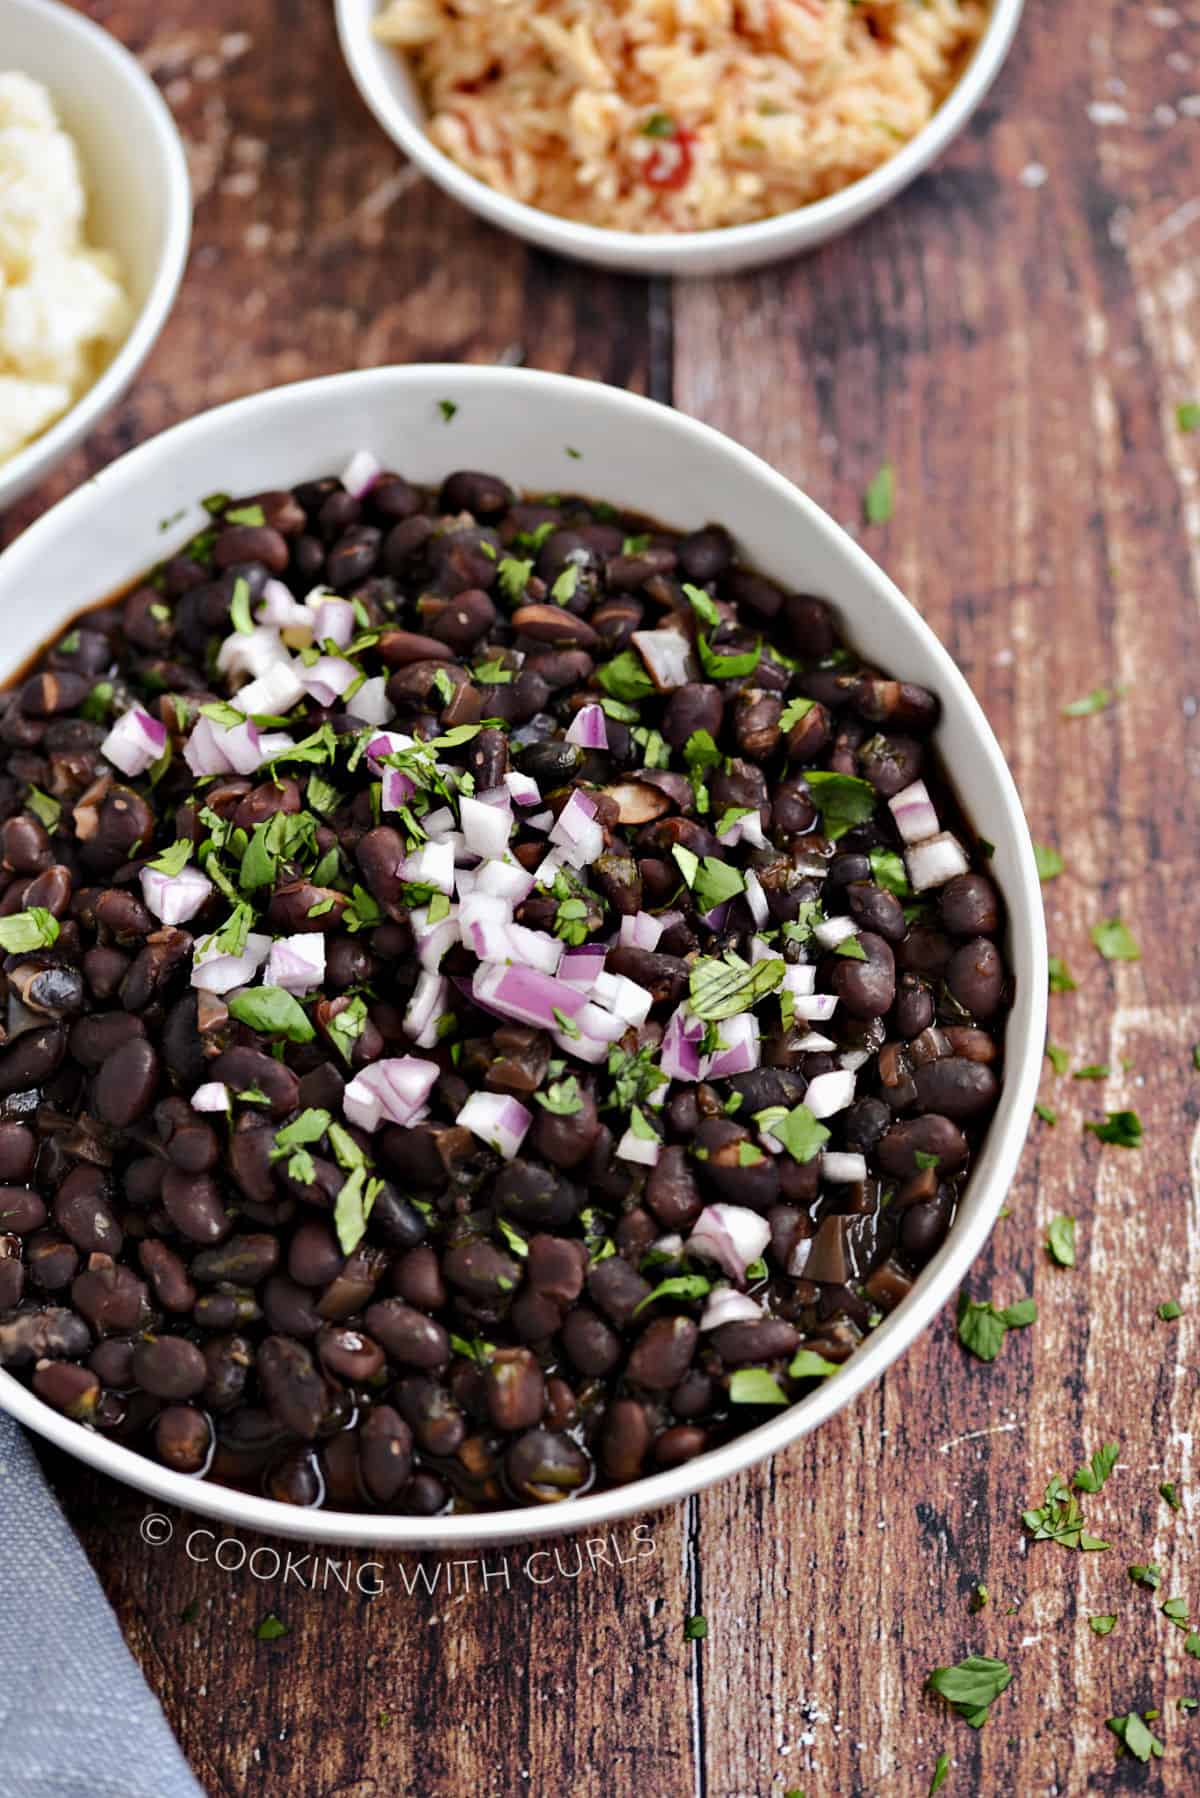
(62, 307)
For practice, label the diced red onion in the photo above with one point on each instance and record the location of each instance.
(202, 751)
(668, 658)
(935, 861)
(426, 1009)
(335, 622)
(250, 653)
(588, 730)
(601, 1025)
(528, 995)
(584, 1048)
(644, 1150)
(854, 1058)
(506, 880)
(433, 940)
(486, 828)
(814, 1008)
(842, 1168)
(272, 743)
(327, 679)
(725, 1306)
(679, 1056)
(541, 821)
(756, 899)
(813, 1043)
(495, 796)
(241, 746)
(296, 963)
(278, 607)
(213, 972)
(914, 814)
(497, 1119)
(361, 473)
(830, 1093)
(486, 908)
(641, 930)
(715, 919)
(581, 965)
(438, 823)
(548, 869)
(395, 789)
(174, 898)
(275, 691)
(370, 703)
(388, 742)
(432, 865)
(742, 1050)
(523, 787)
(832, 931)
(800, 977)
(575, 831)
(394, 1089)
(761, 950)
(487, 939)
(623, 997)
(135, 741)
(744, 830)
(731, 1235)
(212, 1096)
(535, 948)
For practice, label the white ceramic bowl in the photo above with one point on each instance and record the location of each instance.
(635, 454)
(139, 196)
(383, 79)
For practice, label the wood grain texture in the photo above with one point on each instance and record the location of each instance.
(1014, 335)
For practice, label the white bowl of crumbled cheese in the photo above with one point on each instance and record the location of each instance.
(95, 217)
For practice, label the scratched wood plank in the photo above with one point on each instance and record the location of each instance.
(1014, 337)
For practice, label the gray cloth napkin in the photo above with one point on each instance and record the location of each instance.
(77, 1720)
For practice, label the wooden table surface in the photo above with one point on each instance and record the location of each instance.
(1015, 335)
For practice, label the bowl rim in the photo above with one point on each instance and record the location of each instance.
(938, 1280)
(758, 240)
(22, 471)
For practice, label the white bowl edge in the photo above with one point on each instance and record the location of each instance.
(387, 88)
(520, 423)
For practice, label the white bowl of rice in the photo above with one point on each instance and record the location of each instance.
(680, 137)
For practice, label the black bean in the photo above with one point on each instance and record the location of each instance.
(625, 1440)
(52, 1334)
(32, 1059)
(170, 1367)
(617, 1289)
(975, 975)
(590, 1345)
(167, 1275)
(663, 1352)
(407, 1335)
(292, 1385)
(865, 988)
(194, 1204)
(385, 1457)
(243, 1259)
(124, 1087)
(73, 1390)
(544, 1468)
(929, 1135)
(956, 1087)
(82, 1211)
(347, 1353)
(436, 1421)
(874, 908)
(970, 906)
(21, 1210)
(515, 1389)
(183, 1438)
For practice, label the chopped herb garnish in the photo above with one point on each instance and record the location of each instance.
(1094, 1070)
(273, 1011)
(1060, 976)
(513, 577)
(47, 811)
(879, 499)
(239, 608)
(924, 1159)
(1123, 1128)
(806, 1364)
(888, 872)
(695, 1629)
(1170, 1492)
(1098, 700)
(794, 711)
(447, 408)
(842, 800)
(1047, 1113)
(1060, 1240)
(252, 515)
(972, 1686)
(1169, 1310)
(721, 989)
(352, 1208)
(939, 1774)
(1134, 1735)
(982, 1329)
(659, 124)
(1049, 862)
(22, 931)
(270, 1629)
(799, 1131)
(755, 1386)
(174, 860)
(1187, 415)
(625, 677)
(1102, 1625)
(720, 664)
(1115, 941)
(679, 1286)
(562, 1097)
(705, 608)
(1060, 1519)
(1175, 1610)
(1093, 1476)
(564, 589)
(851, 948)
(1145, 1573)
(1058, 1058)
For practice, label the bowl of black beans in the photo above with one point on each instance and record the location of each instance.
(523, 975)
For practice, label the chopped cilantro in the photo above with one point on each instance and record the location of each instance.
(447, 408)
(1123, 1128)
(982, 1329)
(1134, 1735)
(880, 497)
(47, 811)
(1047, 1113)
(1187, 415)
(799, 1131)
(755, 1386)
(513, 576)
(1060, 1519)
(562, 1097)
(273, 1011)
(794, 711)
(939, 1774)
(704, 606)
(1093, 1476)
(1058, 1058)
(625, 677)
(1098, 700)
(1060, 1239)
(566, 585)
(1115, 941)
(806, 1364)
(1170, 1492)
(695, 1629)
(270, 1629)
(679, 1286)
(1102, 1625)
(1145, 1573)
(842, 800)
(1094, 1070)
(720, 989)
(888, 872)
(972, 1686)
(1169, 1310)
(22, 931)
(239, 608)
(1049, 862)
(1060, 976)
